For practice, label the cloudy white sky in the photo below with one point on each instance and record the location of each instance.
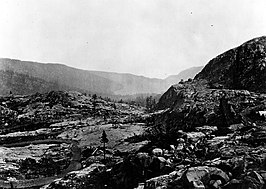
(154, 38)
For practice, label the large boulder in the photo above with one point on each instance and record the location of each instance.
(90, 177)
(164, 181)
(204, 177)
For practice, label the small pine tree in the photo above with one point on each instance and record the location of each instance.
(94, 97)
(114, 106)
(153, 104)
(104, 140)
(94, 103)
(150, 104)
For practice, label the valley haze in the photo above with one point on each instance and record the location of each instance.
(25, 77)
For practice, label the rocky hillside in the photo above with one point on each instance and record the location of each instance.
(243, 67)
(63, 76)
(18, 75)
(214, 122)
(233, 77)
(24, 84)
(192, 104)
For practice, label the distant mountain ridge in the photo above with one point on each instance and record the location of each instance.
(25, 77)
(185, 74)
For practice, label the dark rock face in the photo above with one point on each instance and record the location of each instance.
(192, 105)
(169, 98)
(175, 95)
(243, 67)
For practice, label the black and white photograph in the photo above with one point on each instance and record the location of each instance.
(133, 94)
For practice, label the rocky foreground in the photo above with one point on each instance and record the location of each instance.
(46, 136)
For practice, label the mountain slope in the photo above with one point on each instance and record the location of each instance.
(24, 84)
(62, 75)
(59, 76)
(243, 67)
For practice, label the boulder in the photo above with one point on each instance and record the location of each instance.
(236, 127)
(207, 129)
(195, 136)
(89, 177)
(216, 183)
(157, 152)
(162, 181)
(200, 177)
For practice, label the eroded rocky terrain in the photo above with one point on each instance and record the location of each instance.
(202, 138)
(205, 133)
(45, 136)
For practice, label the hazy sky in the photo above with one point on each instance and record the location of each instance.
(153, 38)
